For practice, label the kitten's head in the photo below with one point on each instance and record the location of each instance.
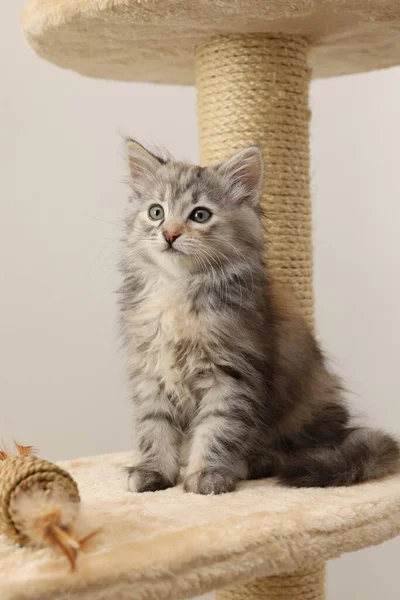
(184, 217)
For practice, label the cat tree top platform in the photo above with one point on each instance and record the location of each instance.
(175, 545)
(155, 40)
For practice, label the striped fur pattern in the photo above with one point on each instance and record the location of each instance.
(227, 381)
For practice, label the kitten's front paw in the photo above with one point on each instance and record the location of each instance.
(210, 481)
(146, 480)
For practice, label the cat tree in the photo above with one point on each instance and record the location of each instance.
(251, 61)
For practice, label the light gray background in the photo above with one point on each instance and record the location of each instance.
(62, 194)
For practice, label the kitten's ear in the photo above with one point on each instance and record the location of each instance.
(142, 163)
(243, 175)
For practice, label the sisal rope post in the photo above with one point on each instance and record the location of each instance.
(253, 89)
(302, 585)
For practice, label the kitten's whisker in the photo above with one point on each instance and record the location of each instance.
(237, 275)
(243, 257)
(221, 279)
(207, 263)
(115, 224)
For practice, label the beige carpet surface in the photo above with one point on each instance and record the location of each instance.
(175, 545)
(155, 40)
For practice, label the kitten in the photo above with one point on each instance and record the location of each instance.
(228, 382)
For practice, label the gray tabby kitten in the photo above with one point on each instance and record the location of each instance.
(228, 383)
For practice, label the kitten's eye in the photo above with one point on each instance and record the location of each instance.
(156, 212)
(200, 215)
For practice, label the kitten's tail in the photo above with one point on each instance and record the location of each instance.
(364, 455)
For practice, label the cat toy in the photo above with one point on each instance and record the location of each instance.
(39, 503)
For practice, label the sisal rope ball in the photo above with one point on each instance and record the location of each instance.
(39, 503)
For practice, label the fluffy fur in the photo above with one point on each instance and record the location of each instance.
(228, 382)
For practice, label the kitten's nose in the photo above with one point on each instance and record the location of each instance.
(171, 236)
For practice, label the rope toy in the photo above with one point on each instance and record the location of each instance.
(39, 503)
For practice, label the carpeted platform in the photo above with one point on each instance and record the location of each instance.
(175, 545)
